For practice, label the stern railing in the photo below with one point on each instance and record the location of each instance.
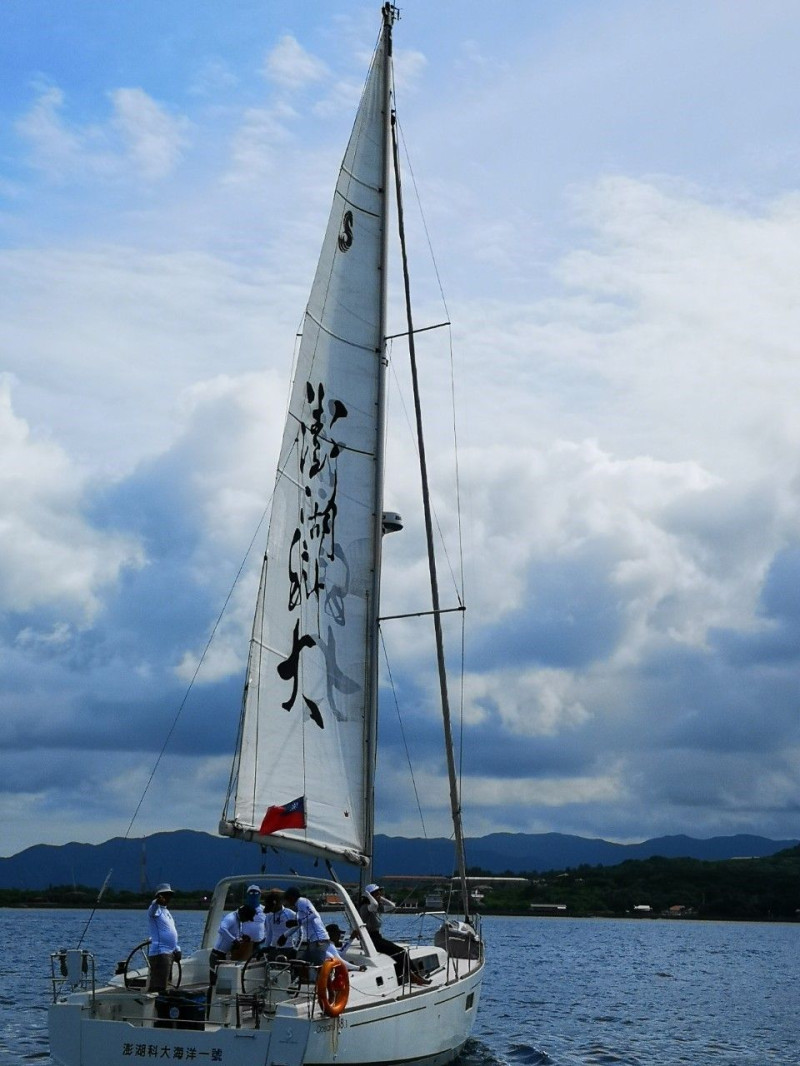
(72, 970)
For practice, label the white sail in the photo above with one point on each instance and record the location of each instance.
(308, 703)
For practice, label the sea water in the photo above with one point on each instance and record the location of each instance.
(561, 991)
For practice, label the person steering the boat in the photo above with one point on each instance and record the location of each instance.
(164, 945)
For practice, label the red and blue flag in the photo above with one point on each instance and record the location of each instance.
(289, 816)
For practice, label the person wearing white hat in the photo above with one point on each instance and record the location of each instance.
(372, 904)
(164, 945)
(370, 907)
(375, 903)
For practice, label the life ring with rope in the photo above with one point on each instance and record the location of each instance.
(333, 987)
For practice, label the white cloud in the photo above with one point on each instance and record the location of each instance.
(528, 702)
(548, 792)
(59, 149)
(98, 800)
(491, 803)
(257, 143)
(123, 330)
(49, 554)
(153, 139)
(140, 139)
(341, 98)
(214, 78)
(231, 425)
(409, 67)
(291, 66)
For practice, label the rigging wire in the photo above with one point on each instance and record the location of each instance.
(462, 577)
(94, 908)
(402, 731)
(197, 669)
(422, 880)
(182, 704)
(457, 586)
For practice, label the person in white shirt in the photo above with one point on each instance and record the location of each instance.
(231, 938)
(256, 928)
(278, 934)
(311, 927)
(164, 945)
(336, 948)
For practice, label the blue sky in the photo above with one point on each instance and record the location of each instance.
(611, 191)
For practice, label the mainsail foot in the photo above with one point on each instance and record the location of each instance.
(310, 847)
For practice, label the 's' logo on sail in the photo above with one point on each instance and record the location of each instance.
(346, 232)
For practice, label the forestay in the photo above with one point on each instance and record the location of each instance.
(308, 707)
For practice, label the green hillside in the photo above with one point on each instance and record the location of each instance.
(764, 888)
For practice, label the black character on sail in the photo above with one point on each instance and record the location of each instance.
(346, 232)
(315, 556)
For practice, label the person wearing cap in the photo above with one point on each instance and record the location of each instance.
(372, 904)
(255, 929)
(278, 934)
(311, 927)
(164, 945)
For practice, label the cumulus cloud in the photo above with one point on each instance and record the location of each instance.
(409, 67)
(155, 324)
(49, 553)
(291, 66)
(257, 143)
(59, 148)
(139, 138)
(153, 138)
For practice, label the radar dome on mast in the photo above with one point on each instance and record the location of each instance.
(392, 522)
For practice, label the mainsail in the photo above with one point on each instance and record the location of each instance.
(308, 708)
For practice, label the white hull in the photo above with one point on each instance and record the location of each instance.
(267, 1013)
(427, 1026)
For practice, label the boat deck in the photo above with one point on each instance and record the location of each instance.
(245, 995)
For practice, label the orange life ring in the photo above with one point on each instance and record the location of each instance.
(333, 987)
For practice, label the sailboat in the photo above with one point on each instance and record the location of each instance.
(303, 773)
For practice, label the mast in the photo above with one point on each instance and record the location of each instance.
(390, 13)
(455, 803)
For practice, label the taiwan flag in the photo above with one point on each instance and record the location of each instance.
(289, 816)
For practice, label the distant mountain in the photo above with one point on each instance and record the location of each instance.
(193, 860)
(527, 852)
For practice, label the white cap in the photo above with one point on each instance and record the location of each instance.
(254, 888)
(372, 888)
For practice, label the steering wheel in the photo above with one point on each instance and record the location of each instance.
(139, 960)
(248, 970)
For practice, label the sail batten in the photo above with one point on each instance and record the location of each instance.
(333, 336)
(309, 703)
